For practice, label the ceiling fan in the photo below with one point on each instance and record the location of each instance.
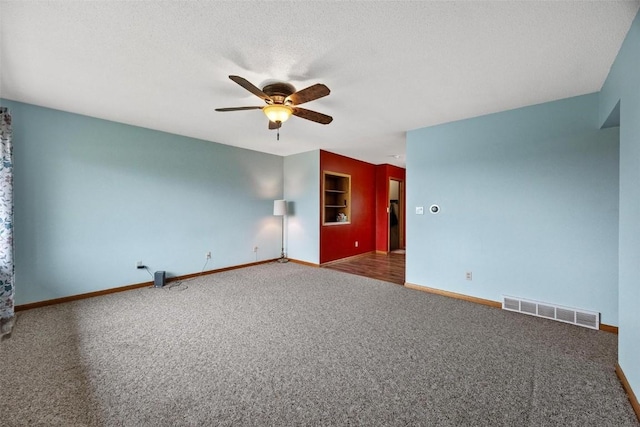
(282, 101)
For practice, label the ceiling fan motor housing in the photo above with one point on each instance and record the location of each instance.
(278, 91)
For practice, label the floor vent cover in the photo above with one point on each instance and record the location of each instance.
(575, 316)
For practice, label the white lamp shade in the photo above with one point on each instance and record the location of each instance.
(279, 207)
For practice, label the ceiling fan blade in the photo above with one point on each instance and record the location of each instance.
(314, 116)
(238, 108)
(311, 93)
(251, 88)
(274, 125)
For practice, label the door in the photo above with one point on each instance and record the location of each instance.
(396, 215)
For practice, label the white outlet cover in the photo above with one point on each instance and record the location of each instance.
(419, 210)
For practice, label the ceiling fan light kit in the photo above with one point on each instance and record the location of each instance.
(281, 101)
(277, 112)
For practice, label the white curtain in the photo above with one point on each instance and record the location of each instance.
(6, 224)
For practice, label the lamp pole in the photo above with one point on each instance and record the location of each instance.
(280, 209)
(282, 257)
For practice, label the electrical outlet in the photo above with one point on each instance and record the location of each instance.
(356, 243)
(469, 275)
(255, 249)
(208, 255)
(139, 264)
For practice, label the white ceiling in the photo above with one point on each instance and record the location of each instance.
(391, 66)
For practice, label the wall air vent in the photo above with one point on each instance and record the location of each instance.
(575, 316)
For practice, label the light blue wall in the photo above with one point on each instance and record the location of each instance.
(302, 190)
(92, 197)
(623, 85)
(529, 205)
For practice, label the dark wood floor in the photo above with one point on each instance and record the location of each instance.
(388, 267)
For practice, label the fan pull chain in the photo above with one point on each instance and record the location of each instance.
(278, 135)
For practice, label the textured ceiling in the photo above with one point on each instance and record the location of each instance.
(391, 66)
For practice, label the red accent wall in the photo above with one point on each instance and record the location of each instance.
(338, 241)
(383, 174)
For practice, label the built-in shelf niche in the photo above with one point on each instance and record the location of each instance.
(336, 198)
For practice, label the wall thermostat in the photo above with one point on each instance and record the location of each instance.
(434, 209)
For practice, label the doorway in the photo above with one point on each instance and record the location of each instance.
(396, 215)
